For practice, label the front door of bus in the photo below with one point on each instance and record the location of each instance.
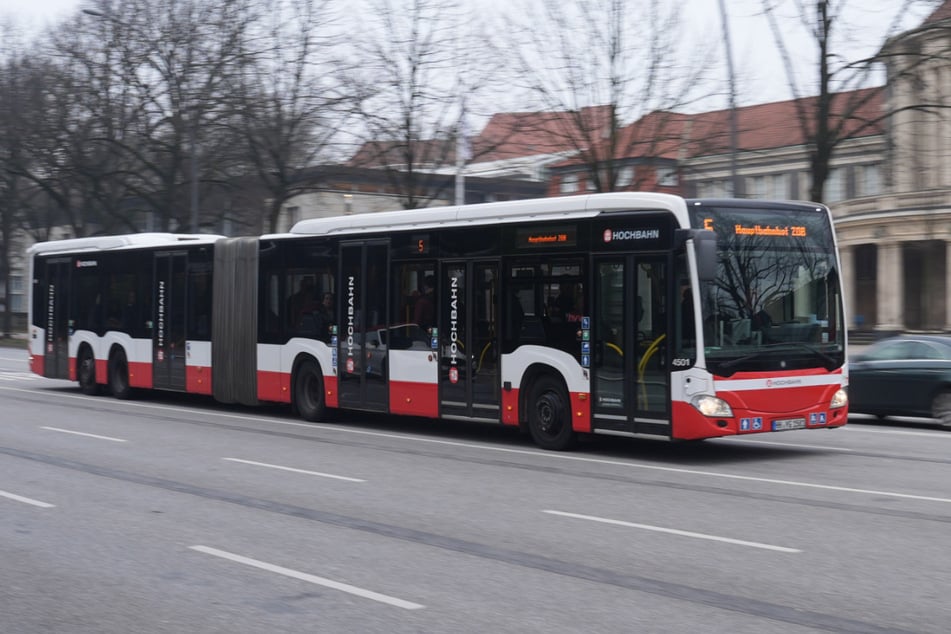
(56, 320)
(168, 332)
(467, 327)
(362, 368)
(631, 381)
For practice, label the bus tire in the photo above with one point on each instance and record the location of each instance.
(308, 391)
(86, 371)
(549, 414)
(119, 375)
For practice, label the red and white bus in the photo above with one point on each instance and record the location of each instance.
(631, 314)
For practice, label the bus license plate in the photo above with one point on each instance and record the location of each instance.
(789, 423)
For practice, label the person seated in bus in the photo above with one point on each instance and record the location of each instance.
(302, 303)
(424, 313)
(324, 317)
(129, 313)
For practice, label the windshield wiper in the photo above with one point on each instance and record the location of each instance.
(829, 364)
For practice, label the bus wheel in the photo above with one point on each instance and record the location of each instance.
(86, 371)
(309, 391)
(549, 415)
(119, 375)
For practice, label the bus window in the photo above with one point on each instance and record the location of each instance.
(413, 294)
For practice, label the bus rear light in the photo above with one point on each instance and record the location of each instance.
(839, 399)
(712, 406)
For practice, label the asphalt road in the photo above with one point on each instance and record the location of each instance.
(175, 514)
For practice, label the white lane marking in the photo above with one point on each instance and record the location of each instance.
(13, 375)
(303, 576)
(902, 432)
(19, 359)
(294, 470)
(674, 531)
(781, 444)
(20, 498)
(523, 452)
(82, 433)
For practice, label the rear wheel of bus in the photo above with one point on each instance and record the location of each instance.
(86, 371)
(119, 374)
(308, 391)
(549, 414)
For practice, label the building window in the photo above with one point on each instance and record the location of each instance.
(625, 176)
(667, 176)
(756, 186)
(778, 187)
(835, 186)
(713, 189)
(868, 180)
(569, 184)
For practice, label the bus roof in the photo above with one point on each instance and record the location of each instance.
(564, 207)
(132, 240)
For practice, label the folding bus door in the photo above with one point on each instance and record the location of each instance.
(630, 369)
(469, 379)
(56, 318)
(362, 333)
(168, 342)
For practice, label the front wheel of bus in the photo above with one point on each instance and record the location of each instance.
(119, 375)
(86, 372)
(309, 391)
(549, 415)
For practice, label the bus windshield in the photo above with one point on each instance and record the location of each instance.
(775, 302)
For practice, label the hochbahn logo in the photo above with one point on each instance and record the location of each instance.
(622, 235)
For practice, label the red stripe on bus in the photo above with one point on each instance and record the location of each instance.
(274, 386)
(198, 379)
(414, 399)
(581, 411)
(140, 374)
(330, 387)
(510, 406)
(37, 364)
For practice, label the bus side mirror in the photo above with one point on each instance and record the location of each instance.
(705, 248)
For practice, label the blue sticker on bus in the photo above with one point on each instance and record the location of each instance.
(585, 361)
(585, 347)
(757, 423)
(822, 418)
(744, 424)
(586, 323)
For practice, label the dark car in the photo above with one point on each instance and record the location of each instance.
(908, 375)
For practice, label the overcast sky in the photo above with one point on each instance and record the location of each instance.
(762, 78)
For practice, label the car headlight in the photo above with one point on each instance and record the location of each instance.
(839, 399)
(712, 406)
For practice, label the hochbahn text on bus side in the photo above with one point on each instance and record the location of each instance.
(632, 314)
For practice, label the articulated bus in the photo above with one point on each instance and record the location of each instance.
(631, 314)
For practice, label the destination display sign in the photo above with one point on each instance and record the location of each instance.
(538, 237)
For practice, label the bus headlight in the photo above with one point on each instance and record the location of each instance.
(839, 399)
(712, 406)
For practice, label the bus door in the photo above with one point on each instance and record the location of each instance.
(168, 332)
(469, 378)
(56, 319)
(362, 333)
(631, 380)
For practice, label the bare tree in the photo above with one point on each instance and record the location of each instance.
(608, 64)
(419, 61)
(175, 66)
(290, 101)
(834, 105)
